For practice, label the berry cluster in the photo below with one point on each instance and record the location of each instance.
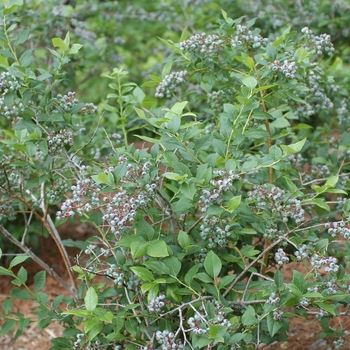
(10, 107)
(278, 315)
(273, 198)
(222, 184)
(287, 68)
(8, 83)
(157, 304)
(200, 257)
(316, 97)
(166, 340)
(203, 44)
(118, 277)
(338, 228)
(215, 232)
(83, 190)
(68, 103)
(273, 233)
(302, 253)
(57, 190)
(343, 113)
(217, 99)
(133, 282)
(246, 37)
(169, 83)
(57, 140)
(273, 299)
(330, 263)
(304, 302)
(281, 257)
(199, 323)
(320, 43)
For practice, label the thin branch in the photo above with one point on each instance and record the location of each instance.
(40, 262)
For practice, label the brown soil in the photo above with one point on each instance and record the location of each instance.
(303, 333)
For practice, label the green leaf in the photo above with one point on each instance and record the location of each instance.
(58, 42)
(249, 318)
(212, 264)
(332, 181)
(300, 54)
(22, 275)
(142, 273)
(233, 203)
(18, 260)
(326, 307)
(95, 331)
(299, 281)
(157, 266)
(319, 202)
(202, 276)
(39, 280)
(91, 299)
(184, 239)
(278, 279)
(157, 249)
(138, 248)
(249, 81)
(7, 305)
(7, 327)
(173, 264)
(75, 48)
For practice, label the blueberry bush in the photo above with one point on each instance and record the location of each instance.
(244, 170)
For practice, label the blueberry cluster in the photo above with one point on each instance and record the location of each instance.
(217, 99)
(59, 139)
(203, 44)
(66, 103)
(343, 113)
(273, 233)
(166, 340)
(273, 198)
(199, 322)
(57, 190)
(223, 183)
(79, 342)
(287, 68)
(281, 257)
(304, 302)
(338, 228)
(215, 232)
(13, 107)
(316, 96)
(120, 212)
(273, 299)
(157, 304)
(302, 253)
(200, 257)
(330, 263)
(117, 138)
(321, 313)
(320, 43)
(85, 197)
(133, 282)
(169, 83)
(278, 315)
(118, 277)
(8, 83)
(338, 343)
(246, 37)
(332, 287)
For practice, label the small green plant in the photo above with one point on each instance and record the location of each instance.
(193, 232)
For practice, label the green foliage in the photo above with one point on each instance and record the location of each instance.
(245, 171)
